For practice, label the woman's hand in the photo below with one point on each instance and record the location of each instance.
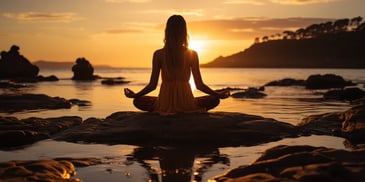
(129, 93)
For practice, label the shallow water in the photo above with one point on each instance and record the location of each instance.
(125, 162)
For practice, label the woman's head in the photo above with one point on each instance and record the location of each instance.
(176, 32)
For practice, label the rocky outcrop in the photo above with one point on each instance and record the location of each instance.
(20, 102)
(18, 132)
(349, 124)
(214, 129)
(326, 81)
(15, 65)
(83, 70)
(60, 169)
(286, 82)
(302, 164)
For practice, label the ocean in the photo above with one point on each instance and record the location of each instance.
(287, 104)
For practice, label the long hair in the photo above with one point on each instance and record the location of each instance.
(176, 41)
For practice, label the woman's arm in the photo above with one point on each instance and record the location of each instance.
(197, 77)
(156, 65)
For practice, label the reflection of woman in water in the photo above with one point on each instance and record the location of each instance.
(176, 63)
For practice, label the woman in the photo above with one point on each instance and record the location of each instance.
(176, 63)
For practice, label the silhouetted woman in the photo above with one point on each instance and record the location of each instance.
(176, 63)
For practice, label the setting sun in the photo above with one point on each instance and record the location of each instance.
(197, 45)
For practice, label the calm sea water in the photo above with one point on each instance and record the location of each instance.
(287, 104)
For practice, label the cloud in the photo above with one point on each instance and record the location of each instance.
(248, 28)
(40, 16)
(250, 2)
(301, 2)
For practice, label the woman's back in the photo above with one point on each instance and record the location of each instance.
(175, 92)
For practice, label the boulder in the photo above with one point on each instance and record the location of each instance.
(83, 70)
(253, 93)
(20, 102)
(213, 128)
(349, 94)
(51, 78)
(14, 65)
(19, 132)
(326, 81)
(302, 164)
(349, 124)
(286, 82)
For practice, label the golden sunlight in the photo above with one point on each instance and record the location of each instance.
(192, 83)
(197, 45)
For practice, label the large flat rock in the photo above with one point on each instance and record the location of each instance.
(214, 128)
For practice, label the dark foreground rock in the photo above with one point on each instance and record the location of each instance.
(61, 169)
(349, 124)
(215, 129)
(20, 102)
(304, 164)
(18, 132)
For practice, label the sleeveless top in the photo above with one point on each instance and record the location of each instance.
(175, 94)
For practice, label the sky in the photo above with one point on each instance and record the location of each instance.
(125, 33)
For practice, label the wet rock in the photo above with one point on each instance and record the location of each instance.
(15, 65)
(219, 128)
(114, 81)
(326, 81)
(302, 163)
(61, 169)
(349, 124)
(11, 85)
(79, 102)
(349, 94)
(20, 102)
(18, 132)
(249, 93)
(286, 82)
(83, 70)
(51, 78)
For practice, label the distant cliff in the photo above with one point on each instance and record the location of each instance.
(338, 48)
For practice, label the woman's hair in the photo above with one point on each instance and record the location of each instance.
(176, 40)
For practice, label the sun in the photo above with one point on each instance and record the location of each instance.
(197, 45)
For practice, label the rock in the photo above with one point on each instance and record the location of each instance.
(349, 124)
(302, 164)
(249, 93)
(326, 81)
(286, 82)
(15, 65)
(61, 169)
(20, 102)
(114, 81)
(349, 94)
(51, 78)
(216, 129)
(79, 102)
(11, 85)
(83, 70)
(15, 132)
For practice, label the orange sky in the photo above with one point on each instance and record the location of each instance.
(124, 33)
